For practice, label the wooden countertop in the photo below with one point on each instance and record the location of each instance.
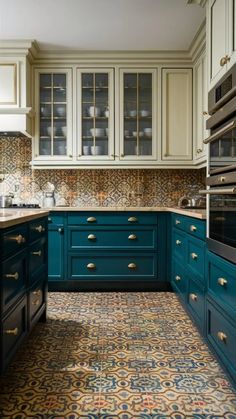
(11, 216)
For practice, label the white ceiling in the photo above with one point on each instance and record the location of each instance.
(102, 24)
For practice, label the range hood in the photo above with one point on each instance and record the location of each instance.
(16, 122)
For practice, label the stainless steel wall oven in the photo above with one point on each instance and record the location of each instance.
(221, 179)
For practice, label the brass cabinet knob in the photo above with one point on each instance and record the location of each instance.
(11, 331)
(38, 292)
(60, 230)
(199, 150)
(222, 179)
(12, 276)
(177, 222)
(35, 303)
(132, 237)
(193, 228)
(132, 266)
(49, 219)
(91, 237)
(222, 336)
(193, 297)
(224, 60)
(194, 256)
(70, 155)
(40, 229)
(132, 219)
(91, 219)
(91, 266)
(38, 253)
(178, 278)
(222, 281)
(178, 242)
(205, 113)
(122, 155)
(19, 239)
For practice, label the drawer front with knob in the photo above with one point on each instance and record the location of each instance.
(196, 258)
(179, 279)
(13, 279)
(36, 299)
(14, 240)
(221, 332)
(112, 238)
(196, 301)
(196, 228)
(37, 257)
(56, 218)
(111, 218)
(222, 282)
(37, 229)
(14, 328)
(119, 266)
(179, 245)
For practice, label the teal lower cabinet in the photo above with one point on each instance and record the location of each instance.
(221, 310)
(110, 250)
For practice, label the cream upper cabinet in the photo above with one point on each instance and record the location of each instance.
(200, 108)
(220, 38)
(95, 115)
(138, 116)
(53, 122)
(8, 84)
(176, 114)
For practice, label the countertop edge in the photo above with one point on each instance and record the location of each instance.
(21, 216)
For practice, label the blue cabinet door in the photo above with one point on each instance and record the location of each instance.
(55, 253)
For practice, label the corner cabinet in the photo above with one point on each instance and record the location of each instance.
(53, 122)
(221, 38)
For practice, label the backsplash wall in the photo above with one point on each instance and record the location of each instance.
(92, 187)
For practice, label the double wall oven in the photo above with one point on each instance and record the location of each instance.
(221, 177)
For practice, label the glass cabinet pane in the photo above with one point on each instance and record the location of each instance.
(95, 114)
(137, 108)
(53, 114)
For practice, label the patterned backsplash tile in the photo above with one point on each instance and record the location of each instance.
(93, 187)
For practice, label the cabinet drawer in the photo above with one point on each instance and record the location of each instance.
(37, 256)
(222, 281)
(55, 218)
(179, 221)
(14, 240)
(111, 218)
(112, 237)
(119, 266)
(36, 299)
(13, 281)
(222, 335)
(196, 301)
(196, 228)
(179, 245)
(14, 328)
(37, 229)
(179, 279)
(196, 258)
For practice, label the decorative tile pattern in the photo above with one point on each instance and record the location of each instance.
(93, 187)
(115, 355)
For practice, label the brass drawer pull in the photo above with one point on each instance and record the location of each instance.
(193, 228)
(177, 222)
(178, 242)
(178, 278)
(194, 256)
(132, 266)
(11, 331)
(19, 239)
(12, 276)
(49, 219)
(38, 253)
(132, 219)
(91, 266)
(222, 281)
(224, 60)
(38, 292)
(91, 237)
(132, 237)
(60, 230)
(40, 228)
(193, 297)
(222, 336)
(91, 219)
(35, 303)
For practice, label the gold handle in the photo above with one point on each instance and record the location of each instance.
(222, 179)
(178, 278)
(35, 303)
(178, 242)
(38, 292)
(60, 230)
(132, 237)
(91, 237)
(13, 276)
(222, 336)
(122, 155)
(194, 256)
(193, 228)
(193, 297)
(91, 219)
(199, 150)
(70, 155)
(205, 113)
(19, 239)
(132, 219)
(11, 331)
(38, 253)
(49, 219)
(91, 266)
(177, 222)
(222, 281)
(132, 266)
(224, 60)
(40, 229)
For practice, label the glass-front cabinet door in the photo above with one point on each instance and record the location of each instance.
(138, 115)
(53, 115)
(95, 125)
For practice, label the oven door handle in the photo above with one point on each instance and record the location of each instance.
(220, 132)
(218, 191)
